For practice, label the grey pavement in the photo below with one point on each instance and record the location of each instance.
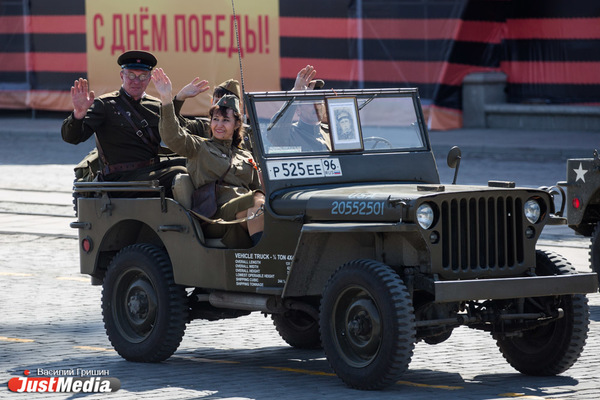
(492, 145)
(39, 143)
(52, 317)
(52, 320)
(520, 143)
(529, 157)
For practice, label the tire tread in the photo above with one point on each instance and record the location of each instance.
(177, 305)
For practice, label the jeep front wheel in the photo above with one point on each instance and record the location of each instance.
(144, 311)
(367, 324)
(552, 348)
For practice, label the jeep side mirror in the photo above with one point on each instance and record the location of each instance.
(453, 160)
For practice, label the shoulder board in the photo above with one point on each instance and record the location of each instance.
(152, 98)
(109, 94)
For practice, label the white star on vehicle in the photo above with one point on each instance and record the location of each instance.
(580, 173)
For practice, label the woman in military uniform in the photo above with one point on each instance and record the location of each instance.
(219, 158)
(201, 126)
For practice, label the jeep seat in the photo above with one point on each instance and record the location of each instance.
(183, 189)
(182, 193)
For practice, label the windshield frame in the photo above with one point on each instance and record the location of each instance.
(284, 171)
(362, 97)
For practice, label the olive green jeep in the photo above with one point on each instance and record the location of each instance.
(582, 202)
(364, 251)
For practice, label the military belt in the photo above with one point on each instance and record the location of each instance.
(129, 166)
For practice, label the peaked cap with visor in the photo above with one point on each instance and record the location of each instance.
(137, 59)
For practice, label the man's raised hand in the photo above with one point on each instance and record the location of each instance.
(82, 98)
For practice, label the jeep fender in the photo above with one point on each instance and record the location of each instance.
(323, 247)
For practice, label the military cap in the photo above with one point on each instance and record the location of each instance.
(232, 86)
(137, 59)
(230, 101)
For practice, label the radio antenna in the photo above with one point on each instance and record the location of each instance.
(237, 38)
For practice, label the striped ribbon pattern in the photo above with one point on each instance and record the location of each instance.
(548, 49)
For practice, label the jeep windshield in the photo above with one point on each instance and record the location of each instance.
(340, 137)
(294, 123)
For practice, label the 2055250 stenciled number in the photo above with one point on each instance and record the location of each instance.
(350, 207)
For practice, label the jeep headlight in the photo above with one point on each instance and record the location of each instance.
(532, 210)
(425, 215)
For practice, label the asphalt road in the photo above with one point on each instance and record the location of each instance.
(51, 317)
(51, 320)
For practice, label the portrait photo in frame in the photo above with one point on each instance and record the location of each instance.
(344, 124)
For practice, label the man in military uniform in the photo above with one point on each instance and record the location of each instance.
(125, 123)
(310, 132)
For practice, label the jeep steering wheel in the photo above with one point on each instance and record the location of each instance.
(378, 139)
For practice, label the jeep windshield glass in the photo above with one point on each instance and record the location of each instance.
(302, 125)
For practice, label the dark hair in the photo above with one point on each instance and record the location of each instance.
(237, 134)
(220, 92)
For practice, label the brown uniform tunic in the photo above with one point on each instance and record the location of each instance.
(208, 159)
(305, 137)
(196, 126)
(201, 125)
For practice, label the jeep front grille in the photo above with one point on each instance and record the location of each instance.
(481, 233)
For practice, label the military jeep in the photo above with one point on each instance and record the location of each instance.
(364, 251)
(582, 202)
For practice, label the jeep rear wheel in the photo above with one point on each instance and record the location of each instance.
(367, 324)
(595, 250)
(144, 311)
(553, 348)
(298, 329)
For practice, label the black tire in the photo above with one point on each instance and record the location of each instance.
(367, 324)
(298, 329)
(595, 249)
(75, 197)
(550, 349)
(144, 311)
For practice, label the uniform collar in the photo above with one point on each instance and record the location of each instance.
(122, 90)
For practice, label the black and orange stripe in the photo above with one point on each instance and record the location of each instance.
(431, 45)
(547, 48)
(552, 52)
(41, 53)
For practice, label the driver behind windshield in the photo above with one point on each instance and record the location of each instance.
(310, 132)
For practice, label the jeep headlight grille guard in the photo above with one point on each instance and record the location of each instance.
(483, 233)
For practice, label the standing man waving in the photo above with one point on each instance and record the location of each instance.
(125, 123)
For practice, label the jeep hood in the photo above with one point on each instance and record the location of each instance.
(373, 202)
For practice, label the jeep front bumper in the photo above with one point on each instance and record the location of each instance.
(510, 288)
